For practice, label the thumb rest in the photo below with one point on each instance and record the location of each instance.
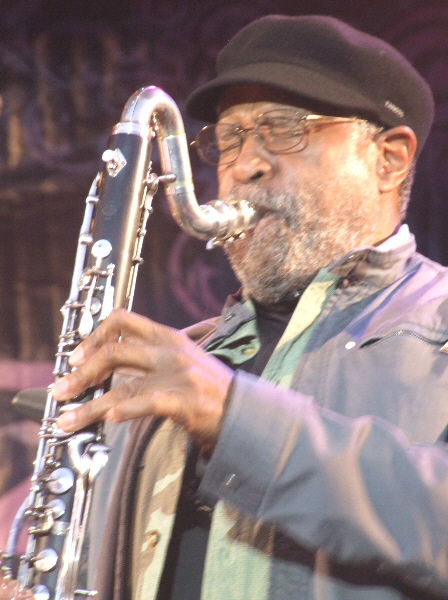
(104, 277)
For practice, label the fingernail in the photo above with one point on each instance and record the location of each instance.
(111, 415)
(60, 389)
(66, 420)
(77, 356)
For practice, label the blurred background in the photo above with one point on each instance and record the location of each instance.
(66, 71)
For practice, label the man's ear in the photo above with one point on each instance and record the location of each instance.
(397, 149)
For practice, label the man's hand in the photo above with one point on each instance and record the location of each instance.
(10, 590)
(171, 377)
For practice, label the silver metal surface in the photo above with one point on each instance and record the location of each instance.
(60, 528)
(95, 306)
(101, 249)
(46, 560)
(115, 161)
(217, 220)
(61, 480)
(40, 592)
(58, 507)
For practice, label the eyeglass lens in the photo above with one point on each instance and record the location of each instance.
(278, 131)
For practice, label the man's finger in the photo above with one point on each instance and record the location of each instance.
(124, 325)
(116, 356)
(90, 412)
(137, 390)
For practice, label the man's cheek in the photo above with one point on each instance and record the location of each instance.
(224, 187)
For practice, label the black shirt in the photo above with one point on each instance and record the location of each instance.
(184, 565)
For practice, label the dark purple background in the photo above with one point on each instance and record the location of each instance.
(66, 70)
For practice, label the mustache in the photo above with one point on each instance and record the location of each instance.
(261, 198)
(265, 201)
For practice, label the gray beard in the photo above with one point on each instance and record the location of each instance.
(295, 237)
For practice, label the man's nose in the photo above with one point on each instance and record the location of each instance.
(254, 161)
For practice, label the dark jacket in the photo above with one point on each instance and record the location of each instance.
(358, 504)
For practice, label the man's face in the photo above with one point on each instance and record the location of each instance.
(317, 203)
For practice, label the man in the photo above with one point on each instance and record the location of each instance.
(320, 461)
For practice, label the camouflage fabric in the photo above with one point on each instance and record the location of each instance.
(246, 569)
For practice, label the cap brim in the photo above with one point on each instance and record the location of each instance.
(314, 88)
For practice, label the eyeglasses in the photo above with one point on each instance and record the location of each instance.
(279, 131)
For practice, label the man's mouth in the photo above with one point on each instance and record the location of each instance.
(270, 213)
(266, 218)
(263, 204)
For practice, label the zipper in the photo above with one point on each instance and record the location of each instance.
(405, 332)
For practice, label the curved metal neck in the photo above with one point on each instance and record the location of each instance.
(151, 112)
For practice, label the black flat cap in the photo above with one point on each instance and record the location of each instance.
(328, 65)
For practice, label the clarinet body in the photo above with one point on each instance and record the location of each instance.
(104, 277)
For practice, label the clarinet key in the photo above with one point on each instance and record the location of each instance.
(46, 560)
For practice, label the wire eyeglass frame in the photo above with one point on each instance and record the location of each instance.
(289, 136)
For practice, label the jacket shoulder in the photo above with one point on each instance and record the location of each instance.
(417, 301)
(427, 273)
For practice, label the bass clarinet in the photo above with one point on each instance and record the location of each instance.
(104, 277)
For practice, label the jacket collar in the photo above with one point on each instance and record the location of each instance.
(371, 266)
